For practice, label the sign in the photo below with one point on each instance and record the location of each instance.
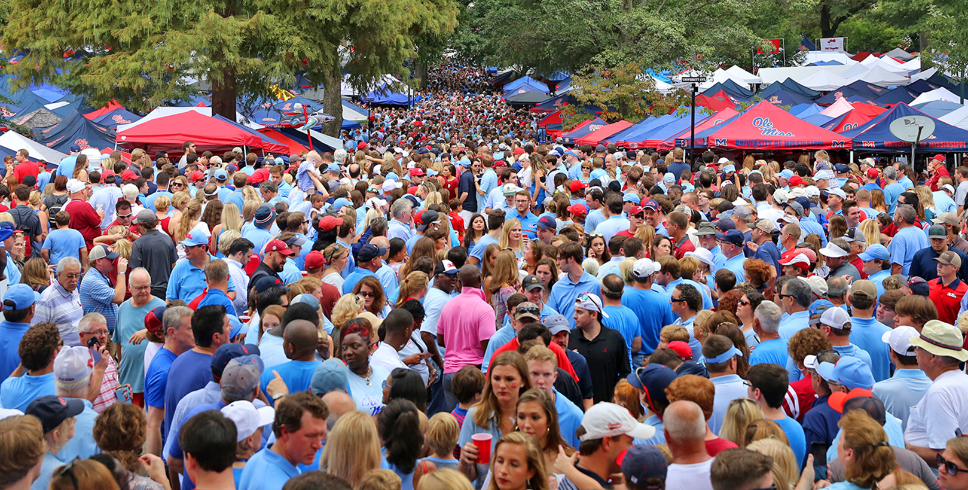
(912, 128)
(774, 49)
(832, 44)
(693, 79)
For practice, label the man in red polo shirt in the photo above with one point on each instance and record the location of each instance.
(937, 170)
(83, 216)
(947, 290)
(24, 167)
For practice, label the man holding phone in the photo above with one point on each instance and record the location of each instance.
(93, 330)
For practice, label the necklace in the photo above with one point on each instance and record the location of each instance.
(369, 373)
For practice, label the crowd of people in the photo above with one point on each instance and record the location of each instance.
(449, 302)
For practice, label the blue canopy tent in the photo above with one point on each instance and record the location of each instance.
(525, 88)
(666, 131)
(503, 77)
(75, 129)
(731, 89)
(876, 134)
(29, 107)
(644, 130)
(263, 115)
(194, 101)
(384, 96)
(525, 80)
(116, 117)
(937, 108)
(526, 98)
(620, 136)
(583, 130)
(49, 93)
(782, 96)
(701, 140)
(845, 92)
(816, 119)
(805, 42)
(921, 86)
(899, 94)
(289, 106)
(77, 105)
(806, 110)
(555, 103)
(794, 86)
(301, 138)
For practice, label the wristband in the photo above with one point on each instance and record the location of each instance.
(278, 396)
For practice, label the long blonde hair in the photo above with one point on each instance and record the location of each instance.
(444, 479)
(505, 271)
(871, 231)
(739, 415)
(504, 241)
(538, 481)
(414, 282)
(352, 448)
(189, 219)
(231, 217)
(786, 470)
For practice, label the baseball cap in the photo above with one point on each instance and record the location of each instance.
(576, 185)
(654, 379)
(649, 204)
(75, 185)
(265, 282)
(329, 376)
(426, 218)
(800, 260)
(591, 302)
(307, 299)
(836, 191)
(841, 168)
(240, 377)
(937, 231)
(417, 172)
(102, 252)
(75, 148)
(632, 198)
(446, 267)
(818, 286)
(370, 252)
(609, 420)
(389, 185)
(795, 181)
(742, 212)
(278, 246)
(144, 215)
(221, 175)
(247, 418)
(339, 203)
(73, 363)
(854, 235)
(557, 323)
(872, 173)
(849, 371)
(227, 352)
(900, 340)
(833, 251)
(781, 196)
(153, 319)
(734, 236)
(644, 268)
(725, 356)
(577, 209)
(917, 285)
(765, 225)
(531, 282)
(725, 225)
(704, 256)
(729, 168)
(19, 297)
(681, 349)
(643, 462)
(52, 410)
(949, 258)
(939, 157)
(876, 251)
(509, 189)
(796, 207)
(941, 339)
(315, 260)
(328, 222)
(836, 318)
(841, 401)
(786, 173)
(946, 219)
(527, 309)
(865, 287)
(705, 228)
(546, 223)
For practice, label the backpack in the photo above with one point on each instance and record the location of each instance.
(57, 205)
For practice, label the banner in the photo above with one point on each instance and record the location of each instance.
(832, 44)
(774, 49)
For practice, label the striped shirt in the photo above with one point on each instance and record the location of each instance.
(107, 396)
(97, 295)
(62, 308)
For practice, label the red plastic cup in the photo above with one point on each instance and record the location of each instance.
(483, 443)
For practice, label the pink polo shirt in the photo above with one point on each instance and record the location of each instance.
(464, 322)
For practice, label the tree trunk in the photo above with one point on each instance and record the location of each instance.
(224, 95)
(332, 103)
(420, 73)
(825, 30)
(924, 46)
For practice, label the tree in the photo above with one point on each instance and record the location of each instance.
(624, 92)
(949, 37)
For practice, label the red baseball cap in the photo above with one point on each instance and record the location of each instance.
(635, 210)
(361, 145)
(872, 173)
(128, 175)
(198, 175)
(577, 209)
(153, 320)
(315, 260)
(518, 151)
(417, 172)
(278, 246)
(576, 185)
(681, 349)
(939, 157)
(795, 181)
(327, 223)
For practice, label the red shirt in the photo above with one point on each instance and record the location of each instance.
(805, 397)
(626, 233)
(717, 445)
(85, 220)
(947, 298)
(457, 223)
(859, 264)
(562, 358)
(22, 170)
(684, 246)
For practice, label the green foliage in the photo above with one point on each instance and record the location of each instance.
(625, 92)
(949, 38)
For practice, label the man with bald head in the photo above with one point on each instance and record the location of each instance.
(131, 318)
(685, 433)
(299, 343)
(339, 403)
(465, 326)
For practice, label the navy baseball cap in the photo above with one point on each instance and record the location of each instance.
(266, 282)
(52, 410)
(227, 352)
(547, 223)
(653, 379)
(642, 462)
(735, 237)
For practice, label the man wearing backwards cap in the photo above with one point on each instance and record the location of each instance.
(607, 430)
(73, 369)
(56, 417)
(906, 388)
(602, 347)
(368, 262)
(944, 407)
(249, 423)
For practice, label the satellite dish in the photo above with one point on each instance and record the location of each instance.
(912, 128)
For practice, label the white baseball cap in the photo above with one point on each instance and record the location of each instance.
(609, 420)
(73, 364)
(75, 185)
(900, 340)
(391, 184)
(704, 256)
(247, 418)
(592, 302)
(833, 251)
(644, 268)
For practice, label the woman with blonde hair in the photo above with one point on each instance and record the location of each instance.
(764, 429)
(926, 208)
(162, 205)
(739, 415)
(511, 453)
(230, 219)
(414, 286)
(445, 479)
(501, 284)
(950, 461)
(786, 470)
(250, 194)
(878, 202)
(336, 257)
(512, 237)
(537, 416)
(352, 448)
(871, 231)
(35, 274)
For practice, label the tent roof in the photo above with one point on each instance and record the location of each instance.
(116, 117)
(37, 151)
(879, 75)
(899, 94)
(782, 96)
(603, 133)
(682, 139)
(640, 132)
(716, 102)
(847, 121)
(794, 86)
(522, 81)
(899, 54)
(169, 132)
(268, 143)
(527, 98)
(937, 108)
(806, 110)
(104, 110)
(823, 80)
(841, 106)
(765, 126)
(583, 129)
(294, 146)
(731, 88)
(957, 118)
(876, 134)
(844, 92)
(660, 135)
(75, 129)
(921, 86)
(816, 119)
(736, 72)
(525, 88)
(936, 94)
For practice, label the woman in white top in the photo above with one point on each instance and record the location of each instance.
(336, 256)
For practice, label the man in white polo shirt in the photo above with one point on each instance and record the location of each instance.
(944, 408)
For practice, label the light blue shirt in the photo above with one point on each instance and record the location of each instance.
(798, 441)
(351, 263)
(564, 293)
(267, 470)
(469, 429)
(728, 388)
(866, 334)
(569, 418)
(735, 265)
(793, 323)
(97, 295)
(186, 282)
(82, 445)
(356, 277)
(398, 229)
(131, 369)
(878, 279)
(943, 203)
(623, 319)
(501, 337)
(479, 247)
(488, 183)
(47, 467)
(594, 219)
(612, 226)
(17, 393)
(852, 350)
(772, 351)
(529, 223)
(902, 391)
(891, 193)
(659, 437)
(258, 236)
(66, 242)
(107, 197)
(905, 244)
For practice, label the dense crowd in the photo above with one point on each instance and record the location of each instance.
(449, 302)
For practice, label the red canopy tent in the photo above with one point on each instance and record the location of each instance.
(869, 109)
(717, 102)
(113, 105)
(766, 127)
(849, 121)
(717, 119)
(169, 132)
(600, 135)
(294, 146)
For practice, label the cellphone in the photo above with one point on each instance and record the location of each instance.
(92, 341)
(819, 452)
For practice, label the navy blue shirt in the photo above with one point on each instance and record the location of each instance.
(924, 266)
(820, 423)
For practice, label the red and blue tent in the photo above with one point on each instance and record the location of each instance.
(765, 126)
(876, 134)
(682, 138)
(583, 130)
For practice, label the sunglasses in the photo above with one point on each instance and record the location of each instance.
(949, 466)
(742, 302)
(367, 294)
(122, 216)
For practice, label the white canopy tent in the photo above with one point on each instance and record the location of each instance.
(37, 151)
(924, 75)
(888, 64)
(913, 65)
(854, 72)
(882, 77)
(957, 118)
(797, 73)
(819, 56)
(899, 54)
(747, 77)
(939, 93)
(823, 81)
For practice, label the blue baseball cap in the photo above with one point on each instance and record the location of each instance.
(735, 237)
(333, 168)
(194, 239)
(339, 203)
(308, 299)
(329, 376)
(19, 297)
(547, 223)
(849, 371)
(729, 168)
(805, 203)
(816, 309)
(227, 352)
(786, 173)
(266, 282)
(654, 379)
(725, 356)
(632, 198)
(876, 251)
(221, 175)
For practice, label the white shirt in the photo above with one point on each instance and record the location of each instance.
(945, 405)
(386, 357)
(240, 279)
(689, 476)
(150, 351)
